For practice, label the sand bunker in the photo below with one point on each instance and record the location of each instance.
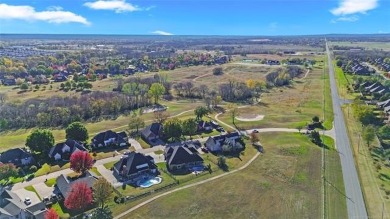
(250, 118)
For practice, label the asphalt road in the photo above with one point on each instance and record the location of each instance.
(355, 202)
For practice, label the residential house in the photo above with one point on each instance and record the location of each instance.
(63, 151)
(374, 85)
(17, 156)
(152, 132)
(384, 104)
(109, 137)
(134, 165)
(387, 110)
(182, 158)
(214, 144)
(359, 69)
(12, 207)
(11, 81)
(64, 183)
(378, 89)
(273, 62)
(204, 126)
(60, 77)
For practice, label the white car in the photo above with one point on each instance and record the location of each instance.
(27, 201)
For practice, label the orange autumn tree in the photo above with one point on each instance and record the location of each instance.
(79, 197)
(81, 161)
(51, 214)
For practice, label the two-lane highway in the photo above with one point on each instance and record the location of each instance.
(353, 192)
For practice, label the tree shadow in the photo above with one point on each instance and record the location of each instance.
(338, 190)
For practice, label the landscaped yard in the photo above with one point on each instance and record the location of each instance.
(284, 182)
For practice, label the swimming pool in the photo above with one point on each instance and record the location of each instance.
(197, 168)
(145, 183)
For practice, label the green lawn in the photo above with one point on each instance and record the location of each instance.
(96, 171)
(50, 182)
(32, 189)
(109, 165)
(46, 169)
(278, 184)
(59, 210)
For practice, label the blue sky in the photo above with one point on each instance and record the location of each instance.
(195, 17)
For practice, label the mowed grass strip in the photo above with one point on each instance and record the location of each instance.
(284, 182)
(374, 188)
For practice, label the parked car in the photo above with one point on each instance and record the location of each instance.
(204, 149)
(27, 201)
(255, 131)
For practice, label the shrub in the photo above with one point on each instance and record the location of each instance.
(33, 168)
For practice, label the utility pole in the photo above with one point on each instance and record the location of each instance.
(360, 137)
(383, 207)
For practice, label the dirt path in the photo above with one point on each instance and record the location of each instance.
(123, 214)
(202, 76)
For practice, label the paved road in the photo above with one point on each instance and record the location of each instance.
(355, 202)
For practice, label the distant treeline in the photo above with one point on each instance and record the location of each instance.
(61, 111)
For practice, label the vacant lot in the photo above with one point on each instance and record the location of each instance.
(290, 107)
(285, 182)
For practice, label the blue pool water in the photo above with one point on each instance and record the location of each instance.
(197, 168)
(145, 183)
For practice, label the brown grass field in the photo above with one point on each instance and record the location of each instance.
(289, 106)
(284, 182)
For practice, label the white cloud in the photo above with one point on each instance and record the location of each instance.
(347, 7)
(160, 32)
(118, 6)
(352, 18)
(28, 13)
(54, 8)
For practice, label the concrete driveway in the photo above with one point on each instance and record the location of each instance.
(137, 146)
(23, 194)
(43, 190)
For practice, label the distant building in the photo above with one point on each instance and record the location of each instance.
(17, 156)
(63, 151)
(109, 137)
(214, 144)
(152, 132)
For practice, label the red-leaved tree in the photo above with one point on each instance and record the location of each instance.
(51, 214)
(81, 161)
(79, 196)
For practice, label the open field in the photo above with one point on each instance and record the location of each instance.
(374, 182)
(14, 94)
(285, 182)
(385, 46)
(300, 55)
(290, 107)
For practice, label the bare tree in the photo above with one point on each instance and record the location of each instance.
(161, 116)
